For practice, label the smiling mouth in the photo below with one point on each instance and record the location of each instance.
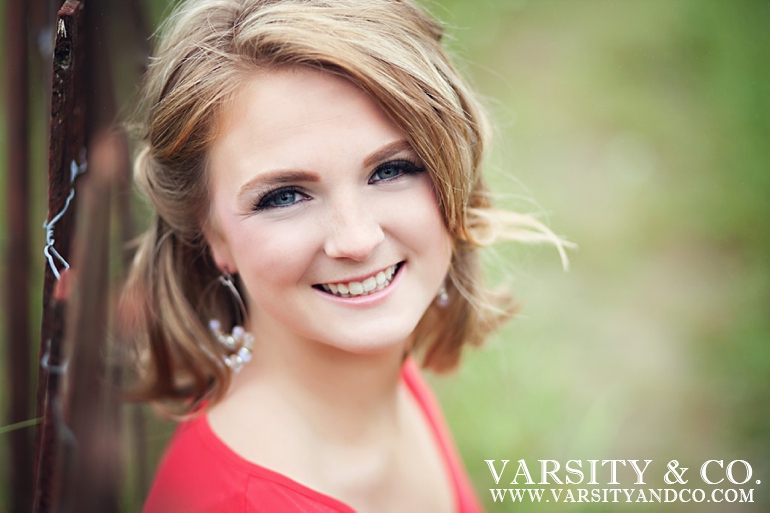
(361, 288)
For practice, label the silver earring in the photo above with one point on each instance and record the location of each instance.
(238, 343)
(442, 298)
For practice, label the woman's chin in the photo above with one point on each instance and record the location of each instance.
(372, 345)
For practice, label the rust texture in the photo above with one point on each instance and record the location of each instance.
(66, 146)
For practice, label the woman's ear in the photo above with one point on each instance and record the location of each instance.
(220, 251)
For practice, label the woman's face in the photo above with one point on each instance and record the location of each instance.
(326, 212)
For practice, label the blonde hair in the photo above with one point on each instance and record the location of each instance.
(390, 49)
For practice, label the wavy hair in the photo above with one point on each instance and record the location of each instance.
(392, 50)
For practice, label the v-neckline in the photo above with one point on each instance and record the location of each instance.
(410, 376)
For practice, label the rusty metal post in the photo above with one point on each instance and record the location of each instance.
(17, 279)
(65, 160)
(91, 482)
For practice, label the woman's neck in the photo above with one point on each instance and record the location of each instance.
(335, 421)
(337, 395)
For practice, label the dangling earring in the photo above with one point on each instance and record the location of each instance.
(238, 343)
(442, 298)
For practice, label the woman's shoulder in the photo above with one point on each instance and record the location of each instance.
(199, 473)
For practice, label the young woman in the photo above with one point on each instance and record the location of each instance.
(314, 166)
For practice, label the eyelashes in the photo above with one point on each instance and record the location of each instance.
(288, 196)
(393, 169)
(280, 198)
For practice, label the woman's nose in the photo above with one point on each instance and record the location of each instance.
(353, 232)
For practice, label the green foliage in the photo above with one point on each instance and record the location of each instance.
(642, 129)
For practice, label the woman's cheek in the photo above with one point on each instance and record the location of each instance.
(279, 253)
(422, 218)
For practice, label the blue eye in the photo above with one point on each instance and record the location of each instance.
(394, 169)
(283, 197)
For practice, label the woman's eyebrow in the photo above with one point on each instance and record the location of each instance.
(387, 151)
(278, 177)
(281, 176)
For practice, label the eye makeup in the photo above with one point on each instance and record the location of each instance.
(289, 195)
(394, 169)
(281, 197)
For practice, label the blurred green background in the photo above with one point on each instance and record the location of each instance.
(640, 130)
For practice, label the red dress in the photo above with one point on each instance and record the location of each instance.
(199, 473)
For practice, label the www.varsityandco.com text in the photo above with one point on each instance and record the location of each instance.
(601, 481)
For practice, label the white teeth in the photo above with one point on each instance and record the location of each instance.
(356, 288)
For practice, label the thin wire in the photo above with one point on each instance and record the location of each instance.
(49, 251)
(55, 369)
(57, 410)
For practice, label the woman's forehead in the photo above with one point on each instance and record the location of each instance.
(300, 119)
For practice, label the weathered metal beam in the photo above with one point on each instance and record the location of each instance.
(17, 279)
(65, 160)
(91, 482)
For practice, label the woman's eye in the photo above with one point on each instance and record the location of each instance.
(392, 170)
(385, 173)
(280, 198)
